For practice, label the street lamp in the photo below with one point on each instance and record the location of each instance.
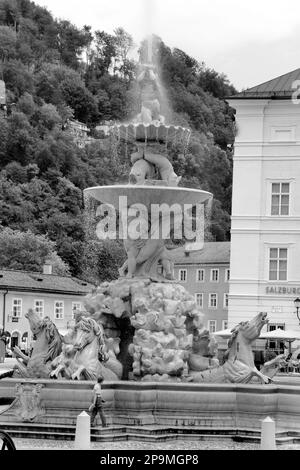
(297, 305)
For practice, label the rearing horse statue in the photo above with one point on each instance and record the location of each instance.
(239, 366)
(83, 353)
(47, 347)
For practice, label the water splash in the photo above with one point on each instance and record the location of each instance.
(126, 142)
(175, 135)
(188, 139)
(167, 138)
(150, 49)
(154, 111)
(149, 8)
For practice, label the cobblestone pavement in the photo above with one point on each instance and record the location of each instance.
(206, 444)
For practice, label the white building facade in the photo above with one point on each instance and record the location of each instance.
(265, 230)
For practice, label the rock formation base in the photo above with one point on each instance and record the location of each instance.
(149, 326)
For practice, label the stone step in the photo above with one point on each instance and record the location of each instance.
(145, 433)
(148, 430)
(113, 437)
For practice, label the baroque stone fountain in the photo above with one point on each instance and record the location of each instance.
(144, 332)
(144, 326)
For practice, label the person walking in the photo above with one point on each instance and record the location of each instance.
(97, 404)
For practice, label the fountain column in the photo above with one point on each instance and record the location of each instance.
(162, 314)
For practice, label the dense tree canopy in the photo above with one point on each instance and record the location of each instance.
(55, 71)
(26, 251)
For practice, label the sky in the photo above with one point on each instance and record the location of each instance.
(251, 41)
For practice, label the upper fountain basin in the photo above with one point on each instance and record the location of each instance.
(154, 132)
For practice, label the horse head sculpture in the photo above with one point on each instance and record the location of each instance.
(46, 348)
(250, 329)
(84, 353)
(35, 321)
(45, 331)
(242, 336)
(88, 332)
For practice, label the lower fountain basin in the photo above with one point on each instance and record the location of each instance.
(211, 407)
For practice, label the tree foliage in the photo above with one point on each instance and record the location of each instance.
(29, 252)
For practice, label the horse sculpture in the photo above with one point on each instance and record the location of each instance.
(83, 353)
(47, 346)
(239, 366)
(203, 351)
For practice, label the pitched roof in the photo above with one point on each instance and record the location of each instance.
(38, 282)
(278, 88)
(211, 253)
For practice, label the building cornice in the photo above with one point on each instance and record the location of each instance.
(273, 218)
(44, 291)
(265, 232)
(270, 143)
(197, 264)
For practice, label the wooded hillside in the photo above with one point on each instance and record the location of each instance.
(54, 71)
